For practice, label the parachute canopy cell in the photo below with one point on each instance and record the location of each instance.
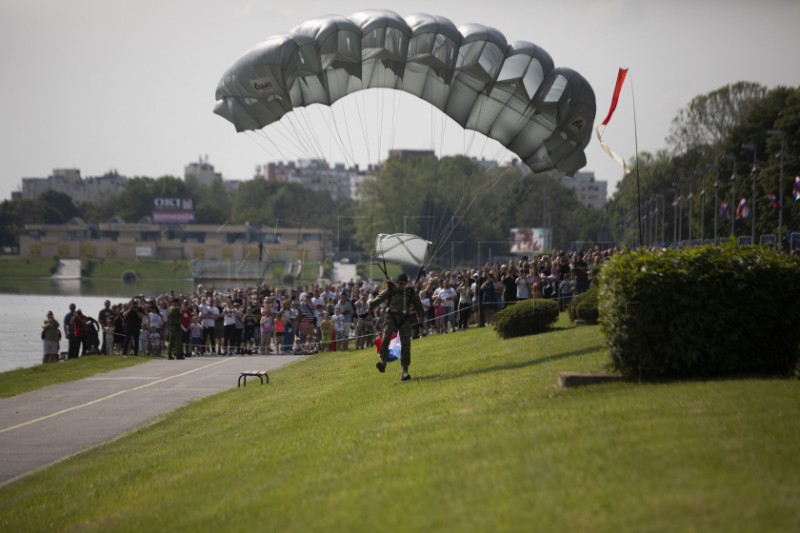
(402, 248)
(509, 92)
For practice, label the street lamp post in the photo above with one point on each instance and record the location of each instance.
(782, 135)
(716, 199)
(675, 215)
(752, 146)
(680, 211)
(702, 215)
(731, 157)
(691, 203)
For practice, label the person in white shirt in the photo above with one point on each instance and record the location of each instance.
(229, 326)
(448, 295)
(208, 312)
(524, 282)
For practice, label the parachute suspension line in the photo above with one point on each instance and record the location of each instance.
(263, 146)
(397, 97)
(433, 131)
(461, 209)
(336, 135)
(346, 122)
(267, 138)
(293, 135)
(312, 133)
(292, 125)
(362, 122)
(380, 110)
(307, 138)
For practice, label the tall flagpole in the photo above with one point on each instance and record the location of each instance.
(621, 75)
(636, 147)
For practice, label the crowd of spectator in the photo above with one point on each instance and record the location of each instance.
(313, 318)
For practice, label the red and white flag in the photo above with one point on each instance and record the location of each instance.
(623, 72)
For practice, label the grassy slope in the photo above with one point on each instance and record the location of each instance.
(480, 440)
(113, 268)
(22, 380)
(17, 267)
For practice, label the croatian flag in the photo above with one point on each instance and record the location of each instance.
(773, 201)
(724, 210)
(743, 211)
(796, 189)
(621, 74)
(394, 347)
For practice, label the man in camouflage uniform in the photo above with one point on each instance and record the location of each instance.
(402, 301)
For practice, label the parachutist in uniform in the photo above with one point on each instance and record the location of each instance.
(402, 301)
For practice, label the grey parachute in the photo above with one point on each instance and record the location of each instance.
(510, 92)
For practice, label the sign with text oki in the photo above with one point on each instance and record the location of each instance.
(173, 210)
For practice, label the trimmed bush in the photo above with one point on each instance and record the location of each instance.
(526, 317)
(584, 306)
(701, 312)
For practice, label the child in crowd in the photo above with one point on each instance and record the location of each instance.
(196, 335)
(155, 341)
(280, 329)
(310, 347)
(338, 328)
(438, 309)
(327, 332)
(267, 329)
(250, 323)
(108, 333)
(144, 338)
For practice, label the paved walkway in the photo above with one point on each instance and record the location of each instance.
(48, 425)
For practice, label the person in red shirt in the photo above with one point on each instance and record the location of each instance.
(186, 326)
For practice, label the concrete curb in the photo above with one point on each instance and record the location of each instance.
(567, 380)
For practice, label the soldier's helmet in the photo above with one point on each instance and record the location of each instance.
(402, 277)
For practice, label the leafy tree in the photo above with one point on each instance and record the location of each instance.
(136, 201)
(708, 118)
(253, 202)
(209, 214)
(14, 215)
(170, 187)
(56, 207)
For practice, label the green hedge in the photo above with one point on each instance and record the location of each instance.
(526, 317)
(584, 306)
(701, 312)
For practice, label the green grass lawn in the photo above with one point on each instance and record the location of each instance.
(12, 266)
(146, 269)
(481, 439)
(22, 380)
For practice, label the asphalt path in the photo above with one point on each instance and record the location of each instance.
(48, 425)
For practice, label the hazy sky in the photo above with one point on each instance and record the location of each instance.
(111, 84)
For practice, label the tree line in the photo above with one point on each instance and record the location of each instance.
(466, 208)
(719, 148)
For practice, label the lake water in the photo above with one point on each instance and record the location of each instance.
(24, 304)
